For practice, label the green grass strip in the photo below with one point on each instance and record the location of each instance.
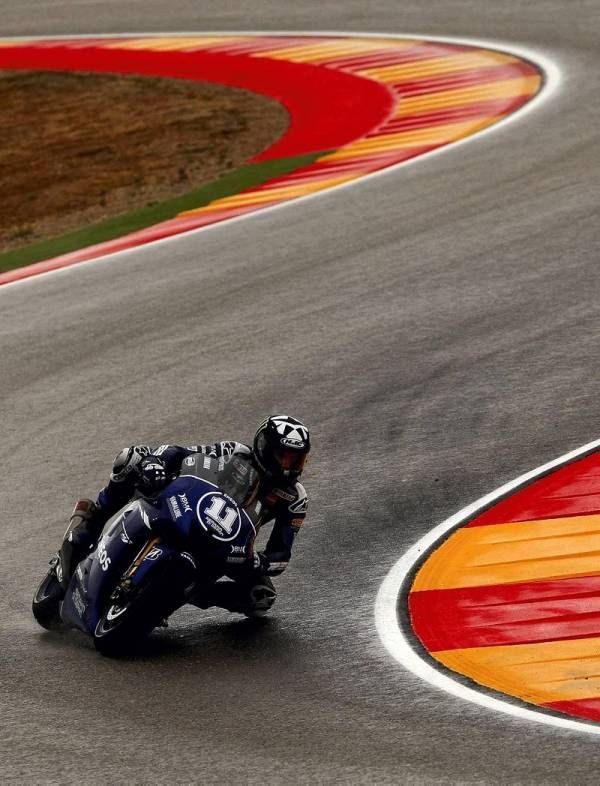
(247, 176)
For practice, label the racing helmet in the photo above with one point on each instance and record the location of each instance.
(281, 446)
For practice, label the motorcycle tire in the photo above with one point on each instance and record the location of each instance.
(123, 625)
(126, 622)
(46, 602)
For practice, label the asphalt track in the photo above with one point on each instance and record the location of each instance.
(436, 326)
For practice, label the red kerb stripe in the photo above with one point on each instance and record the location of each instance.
(328, 108)
(583, 708)
(507, 614)
(572, 490)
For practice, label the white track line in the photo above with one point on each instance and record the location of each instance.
(552, 80)
(394, 640)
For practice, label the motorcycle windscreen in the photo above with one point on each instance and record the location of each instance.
(236, 477)
(239, 480)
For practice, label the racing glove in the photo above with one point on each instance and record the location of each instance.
(152, 476)
(261, 563)
(267, 566)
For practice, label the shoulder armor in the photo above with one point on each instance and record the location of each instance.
(300, 505)
(294, 495)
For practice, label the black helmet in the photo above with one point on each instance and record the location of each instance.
(281, 447)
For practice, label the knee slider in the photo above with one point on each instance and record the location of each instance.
(263, 594)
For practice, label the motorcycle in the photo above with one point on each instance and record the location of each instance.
(156, 555)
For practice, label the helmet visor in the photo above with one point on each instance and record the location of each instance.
(290, 460)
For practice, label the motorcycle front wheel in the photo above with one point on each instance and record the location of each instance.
(127, 622)
(46, 602)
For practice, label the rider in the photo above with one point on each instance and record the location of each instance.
(278, 454)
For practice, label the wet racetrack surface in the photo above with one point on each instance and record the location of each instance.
(435, 326)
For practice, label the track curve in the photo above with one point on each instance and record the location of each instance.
(435, 327)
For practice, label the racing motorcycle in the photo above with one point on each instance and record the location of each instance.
(156, 555)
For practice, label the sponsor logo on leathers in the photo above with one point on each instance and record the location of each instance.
(284, 495)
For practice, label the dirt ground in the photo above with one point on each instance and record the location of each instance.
(79, 148)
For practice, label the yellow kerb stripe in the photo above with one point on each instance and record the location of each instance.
(438, 65)
(320, 50)
(515, 552)
(438, 135)
(446, 99)
(540, 673)
(271, 195)
(169, 44)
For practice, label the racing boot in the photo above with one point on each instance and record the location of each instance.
(85, 526)
(254, 599)
(261, 597)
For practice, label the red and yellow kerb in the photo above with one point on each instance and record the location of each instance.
(357, 104)
(512, 600)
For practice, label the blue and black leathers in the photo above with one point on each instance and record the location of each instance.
(284, 504)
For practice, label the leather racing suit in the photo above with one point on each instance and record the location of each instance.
(284, 504)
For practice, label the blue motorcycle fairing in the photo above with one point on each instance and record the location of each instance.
(191, 515)
(206, 518)
(97, 576)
